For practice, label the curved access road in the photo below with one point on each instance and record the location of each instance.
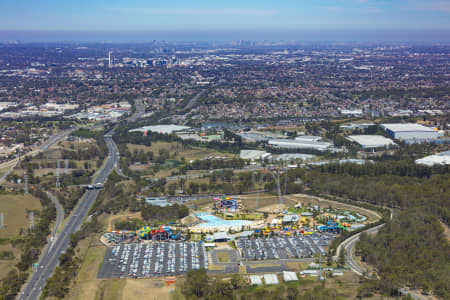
(349, 245)
(50, 259)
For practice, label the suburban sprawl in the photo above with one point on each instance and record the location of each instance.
(237, 170)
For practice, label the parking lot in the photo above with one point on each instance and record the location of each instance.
(282, 247)
(153, 259)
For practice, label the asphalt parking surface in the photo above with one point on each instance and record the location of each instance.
(282, 247)
(153, 259)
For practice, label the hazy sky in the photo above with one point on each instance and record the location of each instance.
(156, 15)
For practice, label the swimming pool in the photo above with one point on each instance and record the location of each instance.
(211, 221)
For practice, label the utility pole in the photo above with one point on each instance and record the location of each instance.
(31, 219)
(57, 175)
(2, 221)
(25, 179)
(66, 166)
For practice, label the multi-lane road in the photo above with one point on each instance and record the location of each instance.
(50, 258)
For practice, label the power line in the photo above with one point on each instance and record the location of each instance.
(58, 184)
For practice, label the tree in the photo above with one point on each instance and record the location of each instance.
(196, 283)
(292, 293)
(341, 259)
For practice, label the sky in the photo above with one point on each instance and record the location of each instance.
(223, 15)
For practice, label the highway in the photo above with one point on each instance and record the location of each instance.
(50, 258)
(37, 149)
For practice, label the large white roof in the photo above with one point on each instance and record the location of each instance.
(289, 276)
(437, 159)
(400, 127)
(371, 141)
(252, 154)
(271, 279)
(166, 129)
(255, 280)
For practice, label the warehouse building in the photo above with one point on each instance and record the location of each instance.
(411, 132)
(294, 157)
(371, 142)
(253, 155)
(300, 144)
(442, 159)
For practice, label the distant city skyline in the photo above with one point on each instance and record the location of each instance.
(238, 19)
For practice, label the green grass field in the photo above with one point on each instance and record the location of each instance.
(222, 256)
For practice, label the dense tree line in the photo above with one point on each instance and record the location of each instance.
(210, 164)
(156, 213)
(431, 194)
(399, 168)
(409, 251)
(30, 245)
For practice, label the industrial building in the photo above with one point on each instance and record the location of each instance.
(294, 157)
(357, 126)
(371, 142)
(411, 132)
(157, 201)
(308, 138)
(164, 129)
(300, 144)
(442, 158)
(253, 155)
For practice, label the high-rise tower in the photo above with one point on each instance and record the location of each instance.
(109, 59)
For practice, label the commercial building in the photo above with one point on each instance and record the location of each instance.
(300, 144)
(371, 142)
(411, 132)
(294, 157)
(442, 158)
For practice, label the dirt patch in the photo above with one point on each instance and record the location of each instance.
(122, 217)
(264, 202)
(147, 289)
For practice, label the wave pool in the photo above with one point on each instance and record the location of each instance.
(211, 221)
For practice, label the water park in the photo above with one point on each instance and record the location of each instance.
(161, 233)
(227, 204)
